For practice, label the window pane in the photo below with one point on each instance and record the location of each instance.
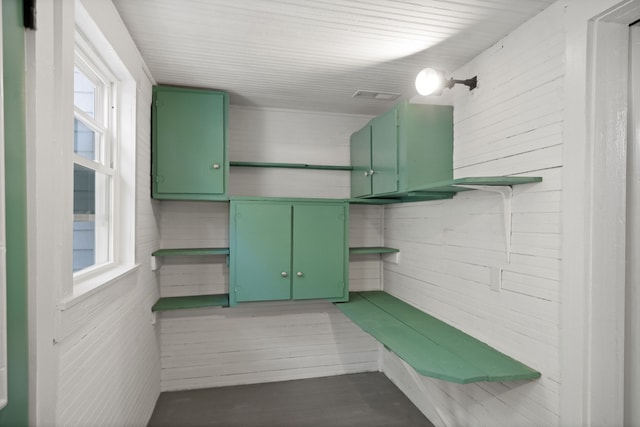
(84, 93)
(91, 224)
(85, 141)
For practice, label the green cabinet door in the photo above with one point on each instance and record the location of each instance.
(319, 251)
(288, 250)
(384, 152)
(361, 162)
(189, 143)
(260, 252)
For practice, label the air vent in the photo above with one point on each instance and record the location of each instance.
(375, 95)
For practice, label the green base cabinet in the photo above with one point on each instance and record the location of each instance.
(189, 144)
(409, 146)
(281, 250)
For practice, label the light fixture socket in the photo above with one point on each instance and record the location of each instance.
(472, 83)
(431, 82)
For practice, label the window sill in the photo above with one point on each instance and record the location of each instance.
(96, 284)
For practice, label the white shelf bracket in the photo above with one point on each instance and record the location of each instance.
(507, 196)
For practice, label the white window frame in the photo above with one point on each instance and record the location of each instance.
(92, 49)
(104, 123)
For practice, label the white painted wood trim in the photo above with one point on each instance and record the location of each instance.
(632, 326)
(3, 250)
(593, 283)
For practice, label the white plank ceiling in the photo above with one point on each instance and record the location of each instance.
(315, 54)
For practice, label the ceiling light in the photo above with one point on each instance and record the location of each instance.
(431, 82)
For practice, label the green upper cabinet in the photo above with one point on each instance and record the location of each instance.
(282, 250)
(407, 147)
(189, 144)
(361, 162)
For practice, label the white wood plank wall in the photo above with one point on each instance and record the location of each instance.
(108, 348)
(366, 224)
(268, 341)
(261, 342)
(511, 124)
(289, 136)
(193, 225)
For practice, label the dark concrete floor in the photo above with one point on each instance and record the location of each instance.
(367, 399)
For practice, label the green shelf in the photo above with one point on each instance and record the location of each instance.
(444, 189)
(290, 166)
(450, 186)
(372, 250)
(197, 301)
(191, 251)
(432, 347)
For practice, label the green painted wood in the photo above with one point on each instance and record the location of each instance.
(191, 251)
(196, 301)
(271, 237)
(446, 189)
(260, 247)
(425, 356)
(16, 413)
(372, 250)
(188, 139)
(449, 186)
(361, 162)
(422, 340)
(425, 144)
(289, 166)
(496, 365)
(319, 251)
(384, 152)
(411, 146)
(375, 201)
(288, 200)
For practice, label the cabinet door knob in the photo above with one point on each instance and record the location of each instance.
(366, 173)
(371, 172)
(299, 274)
(216, 166)
(283, 274)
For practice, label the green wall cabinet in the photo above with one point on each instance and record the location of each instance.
(282, 250)
(407, 147)
(189, 144)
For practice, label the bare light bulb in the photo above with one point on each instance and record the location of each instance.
(429, 81)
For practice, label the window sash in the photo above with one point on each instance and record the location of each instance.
(94, 229)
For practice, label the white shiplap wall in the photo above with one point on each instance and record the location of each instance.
(289, 136)
(109, 360)
(261, 342)
(267, 341)
(511, 124)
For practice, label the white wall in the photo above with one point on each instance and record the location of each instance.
(290, 136)
(260, 342)
(95, 359)
(511, 124)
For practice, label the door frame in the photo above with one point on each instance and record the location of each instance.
(594, 212)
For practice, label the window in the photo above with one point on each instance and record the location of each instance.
(93, 167)
(95, 164)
